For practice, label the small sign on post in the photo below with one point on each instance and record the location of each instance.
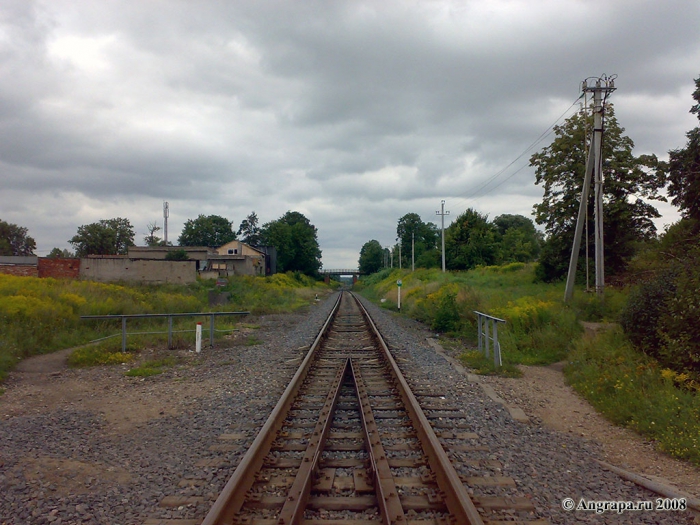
(198, 338)
(399, 283)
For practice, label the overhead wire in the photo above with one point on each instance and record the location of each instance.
(483, 188)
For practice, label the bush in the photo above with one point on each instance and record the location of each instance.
(447, 316)
(640, 318)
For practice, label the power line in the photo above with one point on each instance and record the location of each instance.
(483, 188)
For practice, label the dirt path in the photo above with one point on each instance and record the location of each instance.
(543, 393)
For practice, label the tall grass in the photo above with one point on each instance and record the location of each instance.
(539, 327)
(43, 315)
(632, 390)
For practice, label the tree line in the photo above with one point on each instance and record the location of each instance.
(470, 241)
(293, 235)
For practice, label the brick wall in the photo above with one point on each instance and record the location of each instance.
(20, 270)
(59, 268)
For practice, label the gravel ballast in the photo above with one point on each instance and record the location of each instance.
(93, 446)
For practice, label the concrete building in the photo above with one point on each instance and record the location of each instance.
(110, 268)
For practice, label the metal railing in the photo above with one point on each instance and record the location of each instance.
(124, 317)
(486, 334)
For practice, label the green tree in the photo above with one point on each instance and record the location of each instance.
(371, 257)
(627, 218)
(58, 253)
(14, 240)
(106, 237)
(684, 169)
(296, 240)
(411, 228)
(249, 231)
(177, 255)
(209, 230)
(470, 241)
(519, 241)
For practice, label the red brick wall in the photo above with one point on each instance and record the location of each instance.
(20, 270)
(59, 268)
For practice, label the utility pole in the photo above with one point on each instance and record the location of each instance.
(398, 239)
(166, 214)
(594, 167)
(442, 214)
(413, 251)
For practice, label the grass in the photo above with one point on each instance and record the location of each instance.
(631, 390)
(483, 365)
(151, 368)
(539, 328)
(40, 316)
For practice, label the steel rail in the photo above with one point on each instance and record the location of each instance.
(233, 494)
(384, 484)
(457, 499)
(298, 495)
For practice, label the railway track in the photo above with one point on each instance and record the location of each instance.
(350, 443)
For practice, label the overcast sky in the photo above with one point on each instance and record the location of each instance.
(352, 113)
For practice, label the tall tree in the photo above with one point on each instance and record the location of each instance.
(14, 240)
(209, 230)
(296, 240)
(684, 168)
(519, 241)
(371, 257)
(470, 241)
(249, 231)
(627, 218)
(106, 237)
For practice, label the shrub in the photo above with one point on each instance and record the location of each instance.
(446, 316)
(177, 255)
(640, 318)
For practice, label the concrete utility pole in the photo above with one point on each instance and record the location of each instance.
(442, 214)
(398, 239)
(413, 251)
(594, 165)
(166, 214)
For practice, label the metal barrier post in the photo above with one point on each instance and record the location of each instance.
(496, 346)
(170, 331)
(211, 332)
(123, 334)
(478, 321)
(485, 332)
(486, 338)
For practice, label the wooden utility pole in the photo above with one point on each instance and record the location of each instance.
(594, 167)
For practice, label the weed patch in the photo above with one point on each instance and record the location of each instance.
(479, 364)
(98, 355)
(151, 368)
(632, 390)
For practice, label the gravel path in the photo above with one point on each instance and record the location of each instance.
(93, 446)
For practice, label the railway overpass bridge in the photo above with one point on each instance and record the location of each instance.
(341, 272)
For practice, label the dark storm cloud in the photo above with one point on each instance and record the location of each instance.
(339, 110)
